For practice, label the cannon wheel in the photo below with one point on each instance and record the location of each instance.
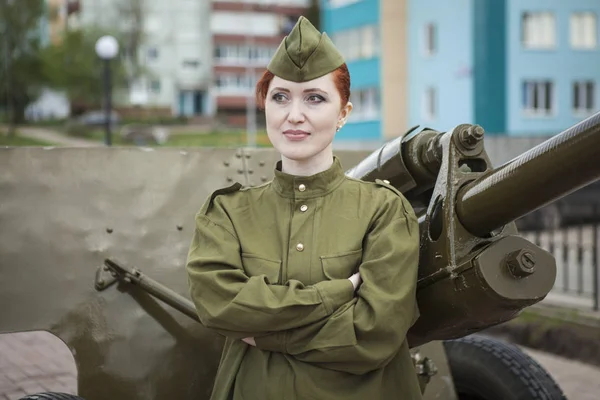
(488, 369)
(51, 396)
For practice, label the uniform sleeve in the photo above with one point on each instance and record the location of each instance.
(367, 332)
(238, 306)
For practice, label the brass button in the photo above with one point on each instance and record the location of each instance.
(386, 181)
(302, 187)
(303, 207)
(299, 247)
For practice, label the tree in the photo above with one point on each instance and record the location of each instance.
(132, 13)
(74, 67)
(20, 78)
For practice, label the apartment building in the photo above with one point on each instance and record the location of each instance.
(245, 35)
(175, 51)
(372, 36)
(516, 67)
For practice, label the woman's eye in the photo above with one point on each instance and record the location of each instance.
(315, 98)
(279, 97)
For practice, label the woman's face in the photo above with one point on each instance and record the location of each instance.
(302, 116)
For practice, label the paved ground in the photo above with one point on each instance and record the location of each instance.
(34, 362)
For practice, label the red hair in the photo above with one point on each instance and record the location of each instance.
(341, 78)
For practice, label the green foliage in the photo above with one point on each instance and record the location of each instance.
(20, 78)
(74, 67)
(17, 140)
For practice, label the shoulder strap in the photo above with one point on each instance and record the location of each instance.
(387, 184)
(226, 190)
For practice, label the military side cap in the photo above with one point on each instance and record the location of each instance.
(305, 54)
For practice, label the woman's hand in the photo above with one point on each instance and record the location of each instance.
(356, 280)
(250, 341)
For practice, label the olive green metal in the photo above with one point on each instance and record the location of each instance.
(549, 171)
(409, 162)
(136, 277)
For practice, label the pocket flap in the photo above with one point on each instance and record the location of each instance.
(341, 265)
(255, 266)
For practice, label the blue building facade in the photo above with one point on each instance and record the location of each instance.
(516, 67)
(353, 25)
(519, 67)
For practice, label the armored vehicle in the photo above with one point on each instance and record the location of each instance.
(94, 241)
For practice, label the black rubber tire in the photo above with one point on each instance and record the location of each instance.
(484, 368)
(51, 396)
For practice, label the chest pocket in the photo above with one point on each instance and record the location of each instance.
(342, 265)
(255, 266)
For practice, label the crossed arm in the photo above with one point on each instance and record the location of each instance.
(326, 323)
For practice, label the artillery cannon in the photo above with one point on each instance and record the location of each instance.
(79, 219)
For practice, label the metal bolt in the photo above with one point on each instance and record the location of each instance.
(105, 268)
(263, 178)
(240, 171)
(229, 179)
(521, 263)
(109, 230)
(261, 163)
(471, 136)
(100, 282)
(250, 171)
(179, 227)
(238, 155)
(226, 163)
(248, 156)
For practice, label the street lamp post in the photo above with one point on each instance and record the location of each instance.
(107, 48)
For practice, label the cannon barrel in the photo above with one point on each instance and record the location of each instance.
(547, 172)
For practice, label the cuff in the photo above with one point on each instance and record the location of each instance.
(273, 342)
(335, 293)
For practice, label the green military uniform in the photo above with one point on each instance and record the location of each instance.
(272, 262)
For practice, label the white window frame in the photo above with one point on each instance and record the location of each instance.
(233, 84)
(533, 89)
(366, 104)
(538, 30)
(340, 3)
(430, 103)
(582, 91)
(583, 29)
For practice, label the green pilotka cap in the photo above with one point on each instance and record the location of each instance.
(305, 54)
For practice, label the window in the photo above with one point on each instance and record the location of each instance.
(583, 30)
(234, 83)
(366, 104)
(155, 86)
(584, 97)
(538, 30)
(191, 63)
(430, 104)
(340, 3)
(430, 39)
(234, 54)
(152, 53)
(538, 97)
(359, 43)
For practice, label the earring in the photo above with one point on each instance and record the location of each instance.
(337, 128)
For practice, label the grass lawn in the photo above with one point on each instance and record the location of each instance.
(20, 141)
(212, 139)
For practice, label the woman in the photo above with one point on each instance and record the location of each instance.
(311, 277)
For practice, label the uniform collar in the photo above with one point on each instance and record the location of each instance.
(305, 187)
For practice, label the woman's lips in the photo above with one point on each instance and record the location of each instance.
(295, 135)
